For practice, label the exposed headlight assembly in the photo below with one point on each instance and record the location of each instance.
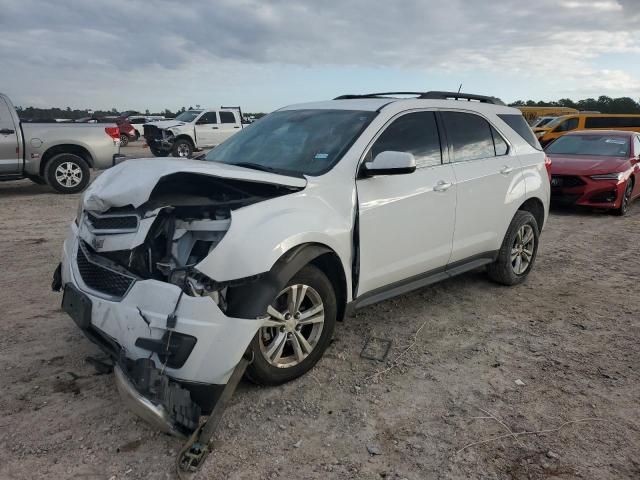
(608, 176)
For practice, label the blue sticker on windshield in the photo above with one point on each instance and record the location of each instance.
(321, 156)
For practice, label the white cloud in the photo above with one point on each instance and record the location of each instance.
(85, 46)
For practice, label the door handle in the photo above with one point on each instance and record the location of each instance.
(506, 170)
(236, 127)
(7, 131)
(442, 186)
(215, 128)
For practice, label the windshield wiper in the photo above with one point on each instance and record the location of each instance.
(255, 166)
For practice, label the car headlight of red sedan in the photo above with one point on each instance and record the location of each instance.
(608, 176)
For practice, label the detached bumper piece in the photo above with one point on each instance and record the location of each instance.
(157, 399)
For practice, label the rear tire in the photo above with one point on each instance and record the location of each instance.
(67, 173)
(518, 251)
(124, 140)
(281, 348)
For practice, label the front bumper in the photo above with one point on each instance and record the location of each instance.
(590, 193)
(117, 325)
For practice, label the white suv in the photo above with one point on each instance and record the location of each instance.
(177, 268)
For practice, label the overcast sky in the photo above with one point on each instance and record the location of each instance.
(265, 54)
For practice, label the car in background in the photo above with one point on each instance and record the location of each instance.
(138, 121)
(192, 130)
(58, 154)
(598, 169)
(542, 121)
(531, 113)
(586, 121)
(127, 131)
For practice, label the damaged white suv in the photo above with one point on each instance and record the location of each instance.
(177, 268)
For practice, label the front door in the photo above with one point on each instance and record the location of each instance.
(487, 175)
(10, 155)
(406, 220)
(207, 130)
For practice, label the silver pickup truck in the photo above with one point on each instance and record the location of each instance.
(58, 154)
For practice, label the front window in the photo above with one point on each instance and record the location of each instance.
(188, 116)
(294, 142)
(592, 145)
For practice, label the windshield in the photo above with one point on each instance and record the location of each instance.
(543, 121)
(596, 145)
(553, 123)
(188, 116)
(294, 142)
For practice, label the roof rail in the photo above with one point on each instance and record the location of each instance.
(434, 95)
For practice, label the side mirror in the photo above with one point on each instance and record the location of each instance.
(390, 163)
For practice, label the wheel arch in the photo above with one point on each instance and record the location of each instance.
(184, 136)
(536, 208)
(64, 148)
(251, 299)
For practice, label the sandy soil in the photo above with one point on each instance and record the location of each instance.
(569, 334)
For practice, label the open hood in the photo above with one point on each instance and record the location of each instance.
(164, 124)
(133, 181)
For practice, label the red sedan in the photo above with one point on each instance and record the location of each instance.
(596, 168)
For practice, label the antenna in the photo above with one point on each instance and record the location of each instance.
(459, 88)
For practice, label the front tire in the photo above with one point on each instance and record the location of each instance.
(67, 173)
(182, 149)
(626, 200)
(299, 330)
(518, 251)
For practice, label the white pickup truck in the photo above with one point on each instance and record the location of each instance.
(192, 130)
(58, 154)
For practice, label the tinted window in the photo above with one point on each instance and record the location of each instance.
(500, 145)
(227, 117)
(636, 146)
(469, 135)
(415, 133)
(519, 125)
(612, 122)
(137, 121)
(567, 125)
(208, 118)
(591, 145)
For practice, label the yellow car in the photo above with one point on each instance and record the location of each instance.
(586, 121)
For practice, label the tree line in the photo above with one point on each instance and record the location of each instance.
(602, 104)
(48, 114)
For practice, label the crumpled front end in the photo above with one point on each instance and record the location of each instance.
(131, 283)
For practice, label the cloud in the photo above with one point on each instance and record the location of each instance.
(558, 43)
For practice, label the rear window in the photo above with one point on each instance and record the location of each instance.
(521, 127)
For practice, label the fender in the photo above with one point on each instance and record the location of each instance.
(262, 291)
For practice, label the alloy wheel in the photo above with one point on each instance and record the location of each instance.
(626, 198)
(522, 249)
(68, 174)
(294, 327)
(183, 150)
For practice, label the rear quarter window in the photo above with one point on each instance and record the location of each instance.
(519, 125)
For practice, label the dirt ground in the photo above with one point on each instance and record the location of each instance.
(569, 336)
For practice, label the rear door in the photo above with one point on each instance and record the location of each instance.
(229, 124)
(487, 175)
(207, 130)
(10, 152)
(406, 220)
